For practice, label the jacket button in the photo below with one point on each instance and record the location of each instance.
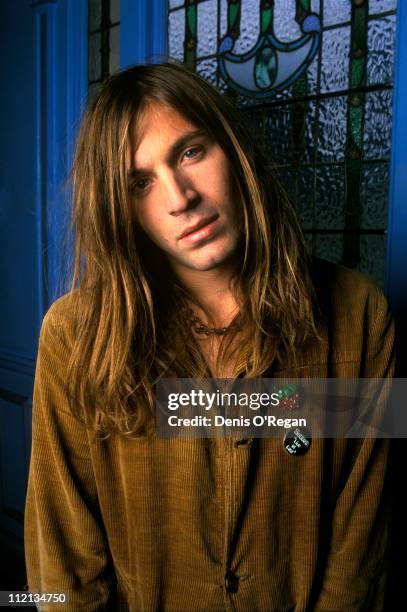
(231, 582)
(244, 442)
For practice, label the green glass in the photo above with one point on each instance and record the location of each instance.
(328, 132)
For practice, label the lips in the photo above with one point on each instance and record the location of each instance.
(197, 226)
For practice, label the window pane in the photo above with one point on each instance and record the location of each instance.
(114, 11)
(381, 39)
(380, 6)
(328, 136)
(95, 14)
(335, 59)
(176, 34)
(95, 70)
(336, 12)
(207, 28)
(104, 42)
(114, 58)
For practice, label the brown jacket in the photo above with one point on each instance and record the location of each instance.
(156, 524)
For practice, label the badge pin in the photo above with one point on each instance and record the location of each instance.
(297, 440)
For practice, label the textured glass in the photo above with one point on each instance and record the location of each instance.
(207, 28)
(312, 76)
(335, 59)
(301, 136)
(114, 56)
(374, 191)
(95, 68)
(95, 14)
(316, 6)
(223, 17)
(175, 3)
(305, 196)
(380, 6)
(277, 123)
(308, 139)
(332, 129)
(286, 27)
(249, 26)
(114, 11)
(377, 136)
(330, 197)
(176, 34)
(289, 179)
(381, 37)
(207, 69)
(336, 11)
(373, 257)
(328, 246)
(279, 142)
(310, 133)
(255, 122)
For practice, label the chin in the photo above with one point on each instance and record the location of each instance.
(210, 263)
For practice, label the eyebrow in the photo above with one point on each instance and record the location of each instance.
(179, 144)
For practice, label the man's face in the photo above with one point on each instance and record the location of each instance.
(182, 191)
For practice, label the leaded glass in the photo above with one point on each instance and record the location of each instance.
(380, 6)
(314, 78)
(328, 246)
(95, 14)
(176, 27)
(381, 33)
(286, 28)
(207, 28)
(95, 66)
(290, 178)
(377, 132)
(115, 11)
(331, 143)
(373, 191)
(336, 12)
(114, 57)
(335, 52)
(373, 255)
(104, 41)
(270, 64)
(249, 25)
(208, 69)
(329, 197)
(176, 3)
(276, 128)
(304, 196)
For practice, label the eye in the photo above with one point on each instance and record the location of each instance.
(140, 185)
(192, 152)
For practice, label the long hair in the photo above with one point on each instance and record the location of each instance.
(127, 336)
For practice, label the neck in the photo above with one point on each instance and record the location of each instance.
(212, 290)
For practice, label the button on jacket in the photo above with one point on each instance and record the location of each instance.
(211, 525)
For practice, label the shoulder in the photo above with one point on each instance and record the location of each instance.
(347, 294)
(357, 319)
(61, 321)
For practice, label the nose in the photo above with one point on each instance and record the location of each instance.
(179, 193)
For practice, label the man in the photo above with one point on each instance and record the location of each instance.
(190, 263)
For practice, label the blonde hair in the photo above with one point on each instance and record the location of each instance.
(127, 335)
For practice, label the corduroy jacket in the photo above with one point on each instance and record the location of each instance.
(213, 525)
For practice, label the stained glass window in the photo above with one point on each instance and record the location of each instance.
(315, 78)
(104, 43)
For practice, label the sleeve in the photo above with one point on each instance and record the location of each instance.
(65, 544)
(355, 572)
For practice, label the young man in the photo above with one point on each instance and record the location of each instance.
(190, 263)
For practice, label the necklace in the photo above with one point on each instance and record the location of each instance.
(200, 328)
